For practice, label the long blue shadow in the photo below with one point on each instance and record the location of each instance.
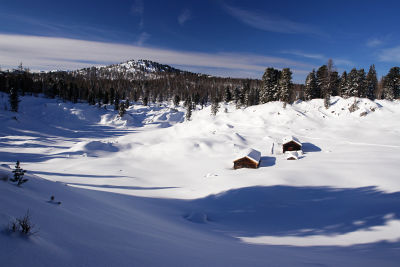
(284, 210)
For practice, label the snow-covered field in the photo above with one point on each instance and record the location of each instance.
(154, 190)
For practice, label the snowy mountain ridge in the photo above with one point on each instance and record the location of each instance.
(131, 70)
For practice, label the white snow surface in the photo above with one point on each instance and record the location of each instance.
(151, 189)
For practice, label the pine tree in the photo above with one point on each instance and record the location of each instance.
(189, 108)
(322, 81)
(14, 100)
(361, 84)
(214, 106)
(236, 97)
(188, 102)
(112, 96)
(227, 95)
(392, 84)
(310, 90)
(352, 83)
(343, 85)
(285, 85)
(371, 83)
(145, 100)
(116, 101)
(18, 175)
(106, 98)
(121, 110)
(270, 91)
(127, 103)
(176, 100)
(333, 83)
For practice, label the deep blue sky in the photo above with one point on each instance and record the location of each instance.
(230, 38)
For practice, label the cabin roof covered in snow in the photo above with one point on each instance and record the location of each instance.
(292, 154)
(290, 138)
(253, 155)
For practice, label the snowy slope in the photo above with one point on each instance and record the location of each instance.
(131, 70)
(179, 201)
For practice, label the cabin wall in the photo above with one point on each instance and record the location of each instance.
(291, 146)
(244, 163)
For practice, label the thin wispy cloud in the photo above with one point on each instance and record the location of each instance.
(184, 16)
(374, 42)
(321, 58)
(48, 53)
(267, 22)
(137, 9)
(390, 54)
(44, 27)
(303, 54)
(143, 37)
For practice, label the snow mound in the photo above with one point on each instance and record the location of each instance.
(197, 217)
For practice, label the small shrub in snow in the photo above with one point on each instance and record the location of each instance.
(23, 225)
(18, 175)
(353, 106)
(52, 200)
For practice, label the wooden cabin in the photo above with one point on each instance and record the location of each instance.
(291, 143)
(251, 159)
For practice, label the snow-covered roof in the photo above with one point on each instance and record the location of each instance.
(292, 155)
(253, 155)
(290, 138)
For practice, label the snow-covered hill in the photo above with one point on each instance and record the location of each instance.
(153, 189)
(131, 70)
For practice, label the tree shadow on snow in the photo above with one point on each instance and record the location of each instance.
(285, 210)
(77, 175)
(122, 187)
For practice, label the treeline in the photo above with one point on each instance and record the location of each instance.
(113, 84)
(86, 86)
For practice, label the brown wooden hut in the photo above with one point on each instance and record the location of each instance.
(250, 160)
(291, 143)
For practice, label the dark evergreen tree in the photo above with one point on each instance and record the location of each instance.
(145, 100)
(189, 108)
(18, 175)
(391, 87)
(214, 106)
(121, 110)
(333, 83)
(105, 98)
(361, 84)
(285, 85)
(352, 83)
(322, 81)
(112, 96)
(14, 99)
(269, 91)
(116, 101)
(371, 83)
(310, 89)
(177, 100)
(227, 95)
(187, 102)
(196, 98)
(343, 84)
(236, 96)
